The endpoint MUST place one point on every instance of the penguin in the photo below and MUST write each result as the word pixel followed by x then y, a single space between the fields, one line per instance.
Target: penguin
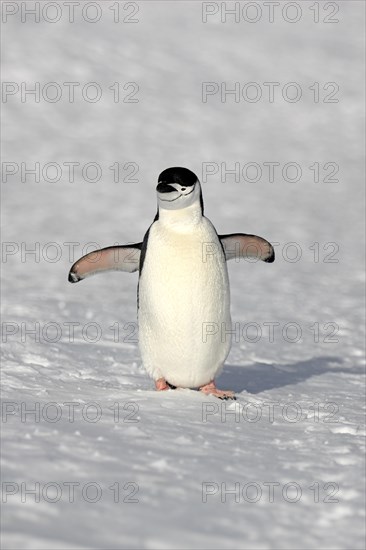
pixel 183 294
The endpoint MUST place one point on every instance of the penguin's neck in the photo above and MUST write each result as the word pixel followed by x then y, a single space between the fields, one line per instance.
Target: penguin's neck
pixel 183 219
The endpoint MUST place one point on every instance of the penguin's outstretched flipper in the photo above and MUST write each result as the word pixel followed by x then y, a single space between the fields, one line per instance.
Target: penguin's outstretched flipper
pixel 240 245
pixel 112 258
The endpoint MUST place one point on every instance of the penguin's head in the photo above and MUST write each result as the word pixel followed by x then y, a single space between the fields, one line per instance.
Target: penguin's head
pixel 178 188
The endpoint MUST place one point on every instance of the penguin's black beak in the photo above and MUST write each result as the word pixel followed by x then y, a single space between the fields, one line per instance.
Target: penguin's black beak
pixel 163 187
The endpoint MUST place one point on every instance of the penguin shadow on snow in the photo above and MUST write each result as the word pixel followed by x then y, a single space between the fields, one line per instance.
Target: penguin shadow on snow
pixel 262 376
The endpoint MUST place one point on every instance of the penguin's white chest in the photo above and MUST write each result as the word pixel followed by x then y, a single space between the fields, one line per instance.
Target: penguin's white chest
pixel 184 304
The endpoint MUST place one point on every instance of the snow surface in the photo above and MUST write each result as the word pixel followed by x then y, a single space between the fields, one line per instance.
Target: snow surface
pixel 170 444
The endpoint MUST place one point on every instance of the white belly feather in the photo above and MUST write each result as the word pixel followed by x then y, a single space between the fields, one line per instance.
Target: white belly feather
pixel 181 298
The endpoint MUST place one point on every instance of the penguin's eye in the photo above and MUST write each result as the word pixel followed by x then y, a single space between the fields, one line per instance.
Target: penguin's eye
pixel 183 188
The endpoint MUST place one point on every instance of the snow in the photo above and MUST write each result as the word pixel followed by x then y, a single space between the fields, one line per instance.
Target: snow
pixel 299 414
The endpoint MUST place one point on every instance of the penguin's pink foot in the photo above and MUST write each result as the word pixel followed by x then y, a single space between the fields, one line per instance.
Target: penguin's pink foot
pixel 161 385
pixel 210 389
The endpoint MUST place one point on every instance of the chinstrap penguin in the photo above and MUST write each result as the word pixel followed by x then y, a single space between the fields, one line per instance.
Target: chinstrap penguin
pixel 183 285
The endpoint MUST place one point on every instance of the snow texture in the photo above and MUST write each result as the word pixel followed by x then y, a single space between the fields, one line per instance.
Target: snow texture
pixel 177 452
